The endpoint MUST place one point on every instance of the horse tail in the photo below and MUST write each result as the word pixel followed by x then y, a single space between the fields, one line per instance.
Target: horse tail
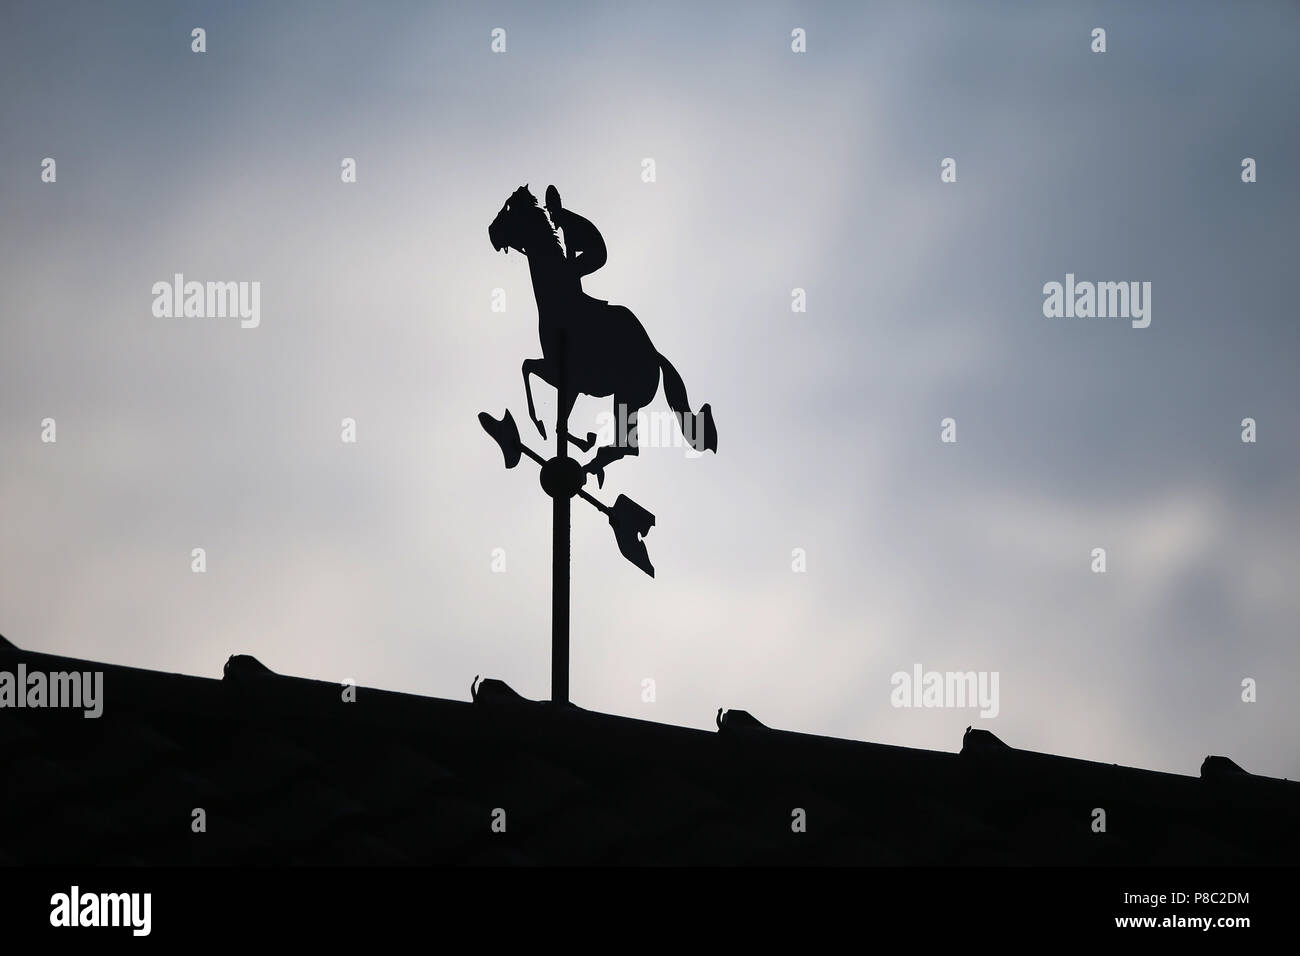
pixel 697 427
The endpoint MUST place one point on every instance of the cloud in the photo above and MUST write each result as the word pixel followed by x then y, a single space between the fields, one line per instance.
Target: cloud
pixel 373 560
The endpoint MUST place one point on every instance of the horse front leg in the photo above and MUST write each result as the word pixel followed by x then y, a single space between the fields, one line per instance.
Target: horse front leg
pixel 542 369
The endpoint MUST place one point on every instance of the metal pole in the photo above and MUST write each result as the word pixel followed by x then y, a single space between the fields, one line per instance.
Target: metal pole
pixel 560 537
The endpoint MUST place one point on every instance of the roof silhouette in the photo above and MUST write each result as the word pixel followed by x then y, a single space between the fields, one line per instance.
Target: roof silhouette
pixel 287 773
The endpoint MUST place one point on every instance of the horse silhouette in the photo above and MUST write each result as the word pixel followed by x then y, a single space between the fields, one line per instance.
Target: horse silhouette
pixel 607 349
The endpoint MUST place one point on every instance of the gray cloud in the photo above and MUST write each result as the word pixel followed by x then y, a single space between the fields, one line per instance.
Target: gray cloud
pixel 372 561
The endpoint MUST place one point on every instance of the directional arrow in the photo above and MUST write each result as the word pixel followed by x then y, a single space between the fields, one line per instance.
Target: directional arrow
pixel 562 476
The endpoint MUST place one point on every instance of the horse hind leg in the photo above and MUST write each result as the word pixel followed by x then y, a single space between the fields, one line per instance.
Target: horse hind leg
pixel 624 444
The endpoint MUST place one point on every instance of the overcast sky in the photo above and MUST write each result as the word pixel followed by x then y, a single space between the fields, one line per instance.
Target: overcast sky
pixel 775 170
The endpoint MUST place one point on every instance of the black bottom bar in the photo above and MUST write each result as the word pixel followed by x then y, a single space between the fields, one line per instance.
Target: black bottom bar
pixel 991 905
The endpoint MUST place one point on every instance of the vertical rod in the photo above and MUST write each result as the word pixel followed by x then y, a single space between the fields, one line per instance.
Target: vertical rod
pixel 560 536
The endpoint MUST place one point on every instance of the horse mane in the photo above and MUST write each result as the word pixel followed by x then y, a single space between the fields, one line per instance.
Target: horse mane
pixel 544 216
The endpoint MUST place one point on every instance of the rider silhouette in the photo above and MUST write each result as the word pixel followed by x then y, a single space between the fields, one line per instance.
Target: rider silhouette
pixel 584 246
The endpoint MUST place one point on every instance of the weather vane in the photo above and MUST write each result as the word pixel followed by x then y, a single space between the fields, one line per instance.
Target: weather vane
pixel 589 347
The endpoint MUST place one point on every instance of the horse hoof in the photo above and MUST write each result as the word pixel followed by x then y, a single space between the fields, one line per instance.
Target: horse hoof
pixel 541 429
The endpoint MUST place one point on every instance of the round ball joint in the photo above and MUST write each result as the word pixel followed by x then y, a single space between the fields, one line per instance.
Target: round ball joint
pixel 562 476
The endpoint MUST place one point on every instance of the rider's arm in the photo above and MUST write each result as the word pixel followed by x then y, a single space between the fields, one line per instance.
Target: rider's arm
pixel 592 251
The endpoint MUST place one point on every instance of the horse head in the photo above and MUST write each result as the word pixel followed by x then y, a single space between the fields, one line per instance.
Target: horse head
pixel 524 225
